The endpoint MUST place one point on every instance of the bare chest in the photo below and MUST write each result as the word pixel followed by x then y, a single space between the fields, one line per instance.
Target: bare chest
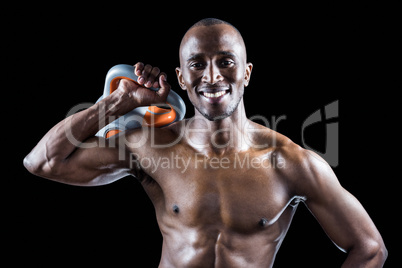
pixel 243 194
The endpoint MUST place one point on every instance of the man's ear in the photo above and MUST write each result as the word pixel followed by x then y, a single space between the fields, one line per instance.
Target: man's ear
pixel 247 75
pixel 180 78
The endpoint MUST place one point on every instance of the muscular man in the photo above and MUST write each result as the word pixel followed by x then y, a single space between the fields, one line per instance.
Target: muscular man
pixel 224 188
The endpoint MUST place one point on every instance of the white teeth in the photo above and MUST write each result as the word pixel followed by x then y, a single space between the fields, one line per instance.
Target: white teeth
pixel 214 95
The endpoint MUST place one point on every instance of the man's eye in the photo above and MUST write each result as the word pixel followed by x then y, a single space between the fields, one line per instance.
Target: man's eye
pixel 227 63
pixel 197 65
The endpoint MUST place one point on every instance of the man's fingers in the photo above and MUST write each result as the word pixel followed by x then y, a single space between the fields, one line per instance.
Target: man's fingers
pixel 139 68
pixel 152 77
pixel 147 75
pixel 156 84
pixel 165 87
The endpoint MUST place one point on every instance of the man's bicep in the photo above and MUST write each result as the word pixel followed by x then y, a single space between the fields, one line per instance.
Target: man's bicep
pixel 96 161
pixel 340 214
pixel 342 218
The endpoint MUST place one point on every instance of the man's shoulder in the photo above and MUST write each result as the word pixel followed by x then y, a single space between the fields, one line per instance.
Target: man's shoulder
pixel 281 144
pixel 296 157
pixel 303 169
pixel 273 139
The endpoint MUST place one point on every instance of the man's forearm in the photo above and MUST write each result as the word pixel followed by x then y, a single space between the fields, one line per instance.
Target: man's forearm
pixel 373 256
pixel 63 138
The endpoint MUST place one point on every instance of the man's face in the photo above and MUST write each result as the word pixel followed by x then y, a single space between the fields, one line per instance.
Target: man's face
pixel 213 69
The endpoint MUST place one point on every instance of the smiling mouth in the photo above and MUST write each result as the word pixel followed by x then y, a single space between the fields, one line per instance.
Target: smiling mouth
pixel 214 95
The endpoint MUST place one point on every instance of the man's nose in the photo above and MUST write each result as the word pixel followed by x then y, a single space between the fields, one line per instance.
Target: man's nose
pixel 212 74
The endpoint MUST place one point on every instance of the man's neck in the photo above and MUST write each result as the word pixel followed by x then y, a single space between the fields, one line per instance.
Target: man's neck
pixel 220 136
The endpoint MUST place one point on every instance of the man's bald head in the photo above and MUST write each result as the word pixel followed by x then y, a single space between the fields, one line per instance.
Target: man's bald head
pixel 210 23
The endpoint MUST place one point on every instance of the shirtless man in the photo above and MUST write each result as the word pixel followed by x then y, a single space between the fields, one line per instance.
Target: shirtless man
pixel 228 189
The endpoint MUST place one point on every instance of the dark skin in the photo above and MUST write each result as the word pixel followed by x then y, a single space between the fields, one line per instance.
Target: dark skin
pixel 225 189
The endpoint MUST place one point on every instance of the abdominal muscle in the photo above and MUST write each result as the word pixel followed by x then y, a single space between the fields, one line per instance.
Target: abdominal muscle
pixel 193 248
pixel 219 246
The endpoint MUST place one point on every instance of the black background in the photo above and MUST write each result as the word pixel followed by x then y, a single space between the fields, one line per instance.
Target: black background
pixel 304 57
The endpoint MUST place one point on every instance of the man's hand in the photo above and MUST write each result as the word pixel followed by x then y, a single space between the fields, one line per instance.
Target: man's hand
pixel 139 94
